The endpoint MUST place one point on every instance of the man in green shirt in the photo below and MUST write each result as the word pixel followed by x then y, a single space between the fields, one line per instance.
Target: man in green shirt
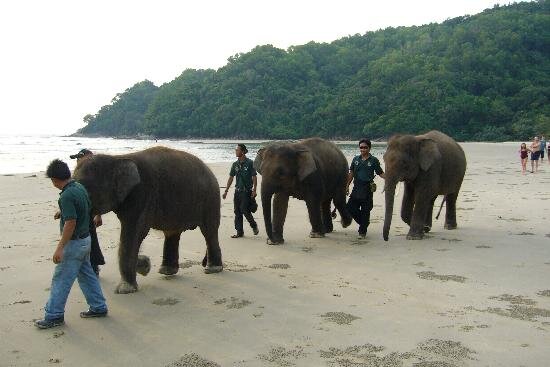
pixel 245 190
pixel 72 254
pixel 362 171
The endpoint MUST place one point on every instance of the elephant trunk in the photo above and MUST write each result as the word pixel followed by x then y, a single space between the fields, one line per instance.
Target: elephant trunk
pixel 389 190
pixel 266 205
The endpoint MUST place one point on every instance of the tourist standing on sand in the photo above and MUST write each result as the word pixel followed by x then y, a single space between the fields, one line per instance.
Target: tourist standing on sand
pixel 523 155
pixel 72 254
pixel 535 154
pixel 542 148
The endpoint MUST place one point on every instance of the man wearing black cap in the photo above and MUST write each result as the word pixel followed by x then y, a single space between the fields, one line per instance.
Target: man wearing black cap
pixel 96 256
pixel 245 190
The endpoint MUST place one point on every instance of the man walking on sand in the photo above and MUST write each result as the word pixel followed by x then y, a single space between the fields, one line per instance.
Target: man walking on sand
pixel 72 254
pixel 535 154
pixel 362 171
pixel 245 190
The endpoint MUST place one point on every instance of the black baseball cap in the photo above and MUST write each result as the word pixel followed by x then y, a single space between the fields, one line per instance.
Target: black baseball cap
pixel 81 153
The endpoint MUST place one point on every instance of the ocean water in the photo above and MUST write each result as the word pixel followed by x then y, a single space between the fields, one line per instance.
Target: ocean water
pixel 28 153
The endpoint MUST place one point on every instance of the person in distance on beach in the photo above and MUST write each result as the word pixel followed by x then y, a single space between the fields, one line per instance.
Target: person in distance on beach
pixel 362 171
pixel 245 190
pixel 542 148
pixel 523 155
pixel 535 154
pixel 72 254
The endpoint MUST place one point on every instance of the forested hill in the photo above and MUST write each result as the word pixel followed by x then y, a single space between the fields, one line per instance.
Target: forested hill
pixel 481 77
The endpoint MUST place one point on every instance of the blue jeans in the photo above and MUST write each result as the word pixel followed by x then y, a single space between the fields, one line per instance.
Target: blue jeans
pixel 75 265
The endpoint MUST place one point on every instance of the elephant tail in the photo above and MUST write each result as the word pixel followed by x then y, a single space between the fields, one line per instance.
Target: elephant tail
pixel 441 206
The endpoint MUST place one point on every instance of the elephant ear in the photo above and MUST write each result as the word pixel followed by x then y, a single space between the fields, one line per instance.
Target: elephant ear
pixel 126 177
pixel 258 160
pixel 428 154
pixel 306 164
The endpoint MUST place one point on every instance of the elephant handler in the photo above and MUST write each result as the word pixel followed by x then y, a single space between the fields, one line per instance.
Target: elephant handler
pixel 245 190
pixel 96 256
pixel 362 171
pixel 72 254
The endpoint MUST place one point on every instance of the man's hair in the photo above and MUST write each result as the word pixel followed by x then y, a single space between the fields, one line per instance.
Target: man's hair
pixel 58 169
pixel 366 141
pixel 243 148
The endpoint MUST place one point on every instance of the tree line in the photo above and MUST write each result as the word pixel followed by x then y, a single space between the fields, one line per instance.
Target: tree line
pixel 482 77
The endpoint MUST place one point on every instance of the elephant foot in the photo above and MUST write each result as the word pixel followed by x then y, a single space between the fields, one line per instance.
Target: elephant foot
pixel 168 269
pixel 415 236
pixel 313 234
pixel 275 242
pixel 143 266
pixel 211 269
pixel 124 287
pixel 427 229
pixel 450 226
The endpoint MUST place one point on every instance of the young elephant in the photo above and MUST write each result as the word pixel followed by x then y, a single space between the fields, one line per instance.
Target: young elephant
pixel 313 170
pixel 430 165
pixel 159 188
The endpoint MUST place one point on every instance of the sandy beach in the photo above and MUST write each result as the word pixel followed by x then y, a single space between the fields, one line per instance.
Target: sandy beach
pixel 475 296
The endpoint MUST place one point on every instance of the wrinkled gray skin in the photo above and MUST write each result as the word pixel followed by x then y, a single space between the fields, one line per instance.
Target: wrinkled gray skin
pixel 160 188
pixel 429 165
pixel 313 170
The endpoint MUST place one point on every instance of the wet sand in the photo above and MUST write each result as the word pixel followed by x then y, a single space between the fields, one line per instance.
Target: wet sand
pixel 475 296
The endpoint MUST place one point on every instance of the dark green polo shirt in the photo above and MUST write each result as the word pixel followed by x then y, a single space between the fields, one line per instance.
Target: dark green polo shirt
pixel 363 170
pixel 243 171
pixel 74 203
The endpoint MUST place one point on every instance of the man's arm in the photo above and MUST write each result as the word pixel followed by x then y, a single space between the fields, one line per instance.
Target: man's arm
pixel 68 230
pixel 227 186
pixel 350 178
pixel 254 184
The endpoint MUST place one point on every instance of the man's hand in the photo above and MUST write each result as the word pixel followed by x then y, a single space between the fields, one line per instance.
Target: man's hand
pixel 98 222
pixel 224 194
pixel 57 215
pixel 58 255
pixel 253 193
pixel 347 191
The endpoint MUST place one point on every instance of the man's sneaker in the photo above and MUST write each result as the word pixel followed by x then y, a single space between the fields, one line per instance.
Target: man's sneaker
pixel 96 269
pixel 46 324
pixel 361 236
pixel 90 313
pixel 255 230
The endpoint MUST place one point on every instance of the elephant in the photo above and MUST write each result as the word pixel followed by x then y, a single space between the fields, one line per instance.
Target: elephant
pixel 313 170
pixel 160 188
pixel 431 164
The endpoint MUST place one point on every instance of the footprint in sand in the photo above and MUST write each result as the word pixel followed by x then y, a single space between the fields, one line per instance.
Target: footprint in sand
pixel 168 301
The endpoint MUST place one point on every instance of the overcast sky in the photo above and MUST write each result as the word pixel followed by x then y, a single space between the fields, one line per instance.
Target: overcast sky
pixel 61 60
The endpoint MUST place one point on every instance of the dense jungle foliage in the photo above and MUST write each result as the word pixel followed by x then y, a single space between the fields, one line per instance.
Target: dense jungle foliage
pixel 481 77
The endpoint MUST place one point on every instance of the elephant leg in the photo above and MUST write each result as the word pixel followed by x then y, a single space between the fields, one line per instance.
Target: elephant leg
pixel 340 204
pixel 132 233
pixel 280 207
pixel 408 203
pixel 428 221
pixel 212 261
pixel 450 212
pixel 327 219
pixel 421 207
pixel 170 253
pixel 314 211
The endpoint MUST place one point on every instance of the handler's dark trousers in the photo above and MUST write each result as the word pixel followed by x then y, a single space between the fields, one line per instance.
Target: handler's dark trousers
pixel 360 210
pixel 96 256
pixel 241 205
